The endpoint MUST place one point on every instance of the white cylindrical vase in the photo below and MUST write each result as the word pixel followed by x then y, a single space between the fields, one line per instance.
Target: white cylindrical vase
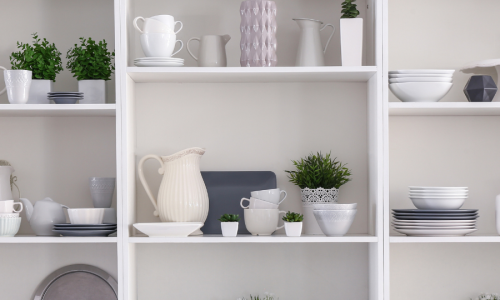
pixel 94 91
pixel 351 41
pixel 39 91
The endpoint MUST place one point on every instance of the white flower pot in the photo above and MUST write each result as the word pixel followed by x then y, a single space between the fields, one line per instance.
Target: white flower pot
pixel 38 91
pixel 94 91
pixel 293 228
pixel 229 228
pixel 315 196
pixel 351 41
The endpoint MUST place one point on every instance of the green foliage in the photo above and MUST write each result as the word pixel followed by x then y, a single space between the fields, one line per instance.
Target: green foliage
pixel 42 59
pixel 349 9
pixel 488 297
pixel 267 296
pixel 317 171
pixel 229 218
pixel 293 217
pixel 90 60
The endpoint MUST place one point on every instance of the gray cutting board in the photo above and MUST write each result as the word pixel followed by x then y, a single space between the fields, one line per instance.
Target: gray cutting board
pixel 225 190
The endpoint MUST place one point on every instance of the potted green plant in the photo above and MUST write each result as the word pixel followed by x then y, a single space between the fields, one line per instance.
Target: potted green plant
pixel 293 223
pixel 319 178
pixel 44 61
pixel 488 297
pixel 351 34
pixel 91 64
pixel 229 224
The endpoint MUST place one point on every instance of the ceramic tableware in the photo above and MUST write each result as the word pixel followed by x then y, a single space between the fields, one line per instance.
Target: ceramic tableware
pixel 434 227
pixel 420 91
pixel 420 79
pixel 255 203
pixel 43 215
pixel 65 100
pixel 436 218
pixel 6 182
pixel 435 232
pixel 68 232
pixel 7 206
pixel 420 75
pixel 102 190
pixel 272 195
pixel 422 71
pixel 151 25
pixel 334 206
pixel 159 64
pixel 438 203
pixel 435 221
pixel 428 211
pixel 169 229
pixel 212 50
pixel 262 221
pixel 310 51
pixel 86 215
pixel 9 226
pixel 109 216
pixel 9 215
pixel 169 21
pixel 17 85
pixel 159 44
pixel 437 188
pixel 335 222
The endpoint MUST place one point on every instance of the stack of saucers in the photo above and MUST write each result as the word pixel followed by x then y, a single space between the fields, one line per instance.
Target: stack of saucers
pixel 335 219
pixel 159 62
pixel 420 85
pixel 65 97
pixel 84 229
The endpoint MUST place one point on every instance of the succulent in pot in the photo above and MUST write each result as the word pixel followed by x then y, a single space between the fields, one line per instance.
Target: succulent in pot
pixel 229 224
pixel 293 223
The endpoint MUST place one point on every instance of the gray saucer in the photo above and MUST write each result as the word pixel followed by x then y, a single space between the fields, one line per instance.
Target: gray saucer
pixel 85 225
pixel 84 232
pixel 435 210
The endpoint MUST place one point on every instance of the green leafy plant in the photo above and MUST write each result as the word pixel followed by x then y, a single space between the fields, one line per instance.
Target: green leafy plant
pixel 349 9
pixel 90 60
pixel 318 171
pixel 267 296
pixel 229 218
pixel 42 59
pixel 293 217
pixel 488 297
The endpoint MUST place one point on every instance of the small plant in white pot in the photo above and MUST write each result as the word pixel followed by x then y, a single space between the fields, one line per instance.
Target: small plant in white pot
pixel 229 224
pixel 351 35
pixel 44 61
pixel 91 64
pixel 293 223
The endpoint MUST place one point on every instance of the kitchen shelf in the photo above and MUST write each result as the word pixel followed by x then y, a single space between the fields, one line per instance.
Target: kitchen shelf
pixel 251 75
pixel 57 110
pixel 449 239
pixel 31 239
pixel 351 238
pixel 444 109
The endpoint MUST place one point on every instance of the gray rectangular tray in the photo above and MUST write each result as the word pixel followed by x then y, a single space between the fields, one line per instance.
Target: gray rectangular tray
pixel 225 190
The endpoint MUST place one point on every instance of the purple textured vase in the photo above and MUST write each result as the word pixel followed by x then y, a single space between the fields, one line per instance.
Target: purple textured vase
pixel 258 34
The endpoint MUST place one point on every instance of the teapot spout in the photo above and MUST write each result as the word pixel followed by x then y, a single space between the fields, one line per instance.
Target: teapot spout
pixel 226 38
pixel 28 207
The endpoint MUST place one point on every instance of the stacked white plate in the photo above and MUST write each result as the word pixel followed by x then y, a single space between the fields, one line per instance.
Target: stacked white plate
pixel 159 62
pixel 420 85
pixel 65 97
pixel 433 197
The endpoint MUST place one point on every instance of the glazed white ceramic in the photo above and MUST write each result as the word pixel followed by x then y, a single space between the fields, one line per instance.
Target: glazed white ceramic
pixel 435 227
pixel 293 228
pixel 168 229
pixel 255 203
pixel 212 50
pixel 334 206
pixel 433 195
pixel 17 85
pixel 169 21
pixel 310 51
pixel 229 228
pixel 422 71
pixel 38 91
pixel 272 195
pixel 437 188
pixel 94 91
pixel 435 221
pixel 154 26
pixel 435 232
pixel 86 215
pixel 9 215
pixel 420 79
pixel 262 221
pixel 420 75
pixel 335 222
pixel 351 41
pixel 182 196
pixel 43 215
pixel 159 44
pixel 498 213
pixel 109 216
pixel 426 203
pixel 420 91
pixel 102 190
pixel 159 64
pixel 9 226
pixel 7 206
pixel 5 188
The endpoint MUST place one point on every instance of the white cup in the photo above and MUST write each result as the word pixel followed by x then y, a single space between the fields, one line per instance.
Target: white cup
pixel 272 195
pixel 7 215
pixel 262 221
pixel 7 206
pixel 169 21
pixel 258 204
pixel 159 44
pixel 17 85
pixel 154 26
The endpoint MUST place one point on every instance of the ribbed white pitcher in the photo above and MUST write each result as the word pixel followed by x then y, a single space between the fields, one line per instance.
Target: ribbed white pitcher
pixel 182 196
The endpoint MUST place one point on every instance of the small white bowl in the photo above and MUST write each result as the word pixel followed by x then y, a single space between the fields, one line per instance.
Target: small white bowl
pixel 423 71
pixel 86 215
pixel 420 91
pixel 335 222
pixel 9 226
pixel 439 188
pixel 430 203
pixel 436 195
pixel 334 206
pixel 420 75
pixel 420 79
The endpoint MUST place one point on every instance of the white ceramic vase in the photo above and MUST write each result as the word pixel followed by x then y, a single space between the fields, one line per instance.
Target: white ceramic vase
pixel 17 85
pixel 351 41
pixel 498 213
pixel 38 91
pixel 182 196
pixel 315 196
pixel 94 91
pixel 229 228
pixel 293 228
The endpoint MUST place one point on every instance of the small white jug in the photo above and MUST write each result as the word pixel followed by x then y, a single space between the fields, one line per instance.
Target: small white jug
pixel 17 85
pixel 310 52
pixel 212 52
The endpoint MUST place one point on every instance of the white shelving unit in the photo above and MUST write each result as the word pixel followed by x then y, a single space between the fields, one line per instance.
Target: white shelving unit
pixel 68 110
pixel 444 109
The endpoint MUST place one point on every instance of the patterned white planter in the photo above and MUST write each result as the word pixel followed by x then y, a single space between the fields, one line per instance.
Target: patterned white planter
pixel 315 196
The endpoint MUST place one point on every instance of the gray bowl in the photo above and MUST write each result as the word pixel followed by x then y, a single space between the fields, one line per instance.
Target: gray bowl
pixel 61 100
pixel 335 222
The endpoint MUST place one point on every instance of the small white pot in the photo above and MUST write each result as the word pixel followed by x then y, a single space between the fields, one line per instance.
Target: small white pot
pixel 293 228
pixel 351 41
pixel 94 91
pixel 38 91
pixel 229 228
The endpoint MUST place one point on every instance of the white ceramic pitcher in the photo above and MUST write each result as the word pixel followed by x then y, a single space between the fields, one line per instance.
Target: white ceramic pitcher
pixel 212 52
pixel 182 196
pixel 310 52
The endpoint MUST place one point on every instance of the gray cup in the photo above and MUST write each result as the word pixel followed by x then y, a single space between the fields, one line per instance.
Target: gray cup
pixel 101 190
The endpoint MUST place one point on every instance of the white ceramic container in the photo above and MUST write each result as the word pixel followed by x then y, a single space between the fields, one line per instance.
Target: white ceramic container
pixel 255 203
pixel 102 190
pixel 311 52
pixel 38 91
pixel 422 71
pixel 7 206
pixel 212 50
pixel 43 215
pixel 335 222
pixel 272 195
pixel 498 213
pixel 351 41
pixel 169 229
pixel 293 228
pixel 420 91
pixel 262 221
pixel 420 79
pixel 432 195
pixel 229 228
pixel 94 91
pixel 182 196
pixel 169 21
pixel 9 226
pixel 437 188
pixel 433 203
pixel 311 197
pixel 86 215
pixel 420 75
pixel 7 215
pixel 154 26
pixel 159 44
pixel 17 85
pixel 334 206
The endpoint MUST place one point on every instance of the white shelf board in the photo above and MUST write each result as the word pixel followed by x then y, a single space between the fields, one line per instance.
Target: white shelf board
pixel 31 239
pixel 238 74
pixel 57 110
pixel 246 238
pixel 444 108
pixel 448 239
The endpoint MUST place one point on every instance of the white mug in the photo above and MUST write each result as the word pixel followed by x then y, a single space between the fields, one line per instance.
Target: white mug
pixel 258 204
pixel 152 25
pixel 7 206
pixel 17 85
pixel 262 221
pixel 272 195
pixel 159 44
pixel 169 20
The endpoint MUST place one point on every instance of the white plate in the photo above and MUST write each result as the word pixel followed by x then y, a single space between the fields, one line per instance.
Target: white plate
pixel 168 229
pixel 159 64
pixel 436 188
pixel 420 79
pixel 433 225
pixel 432 195
pixel 420 91
pixel 420 75
pixel 157 58
pixel 159 61
pixel 442 232
pixel 433 228
pixel 422 71
pixel 436 221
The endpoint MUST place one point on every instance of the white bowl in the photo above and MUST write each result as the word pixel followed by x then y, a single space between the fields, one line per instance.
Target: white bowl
pixel 433 195
pixel 86 215
pixel 420 79
pixel 420 75
pixel 9 226
pixel 422 71
pixel 438 188
pixel 9 215
pixel 335 222
pixel 168 229
pixel 430 203
pixel 420 91
pixel 334 206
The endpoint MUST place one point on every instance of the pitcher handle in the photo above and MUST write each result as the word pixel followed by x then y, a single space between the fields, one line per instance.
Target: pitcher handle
pixel 3 91
pixel 331 35
pixel 189 50
pixel 135 24
pixel 175 24
pixel 284 212
pixel 143 179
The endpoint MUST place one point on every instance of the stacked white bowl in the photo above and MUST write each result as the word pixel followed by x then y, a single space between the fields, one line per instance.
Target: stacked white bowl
pixel 335 219
pixel 420 85
pixel 438 197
